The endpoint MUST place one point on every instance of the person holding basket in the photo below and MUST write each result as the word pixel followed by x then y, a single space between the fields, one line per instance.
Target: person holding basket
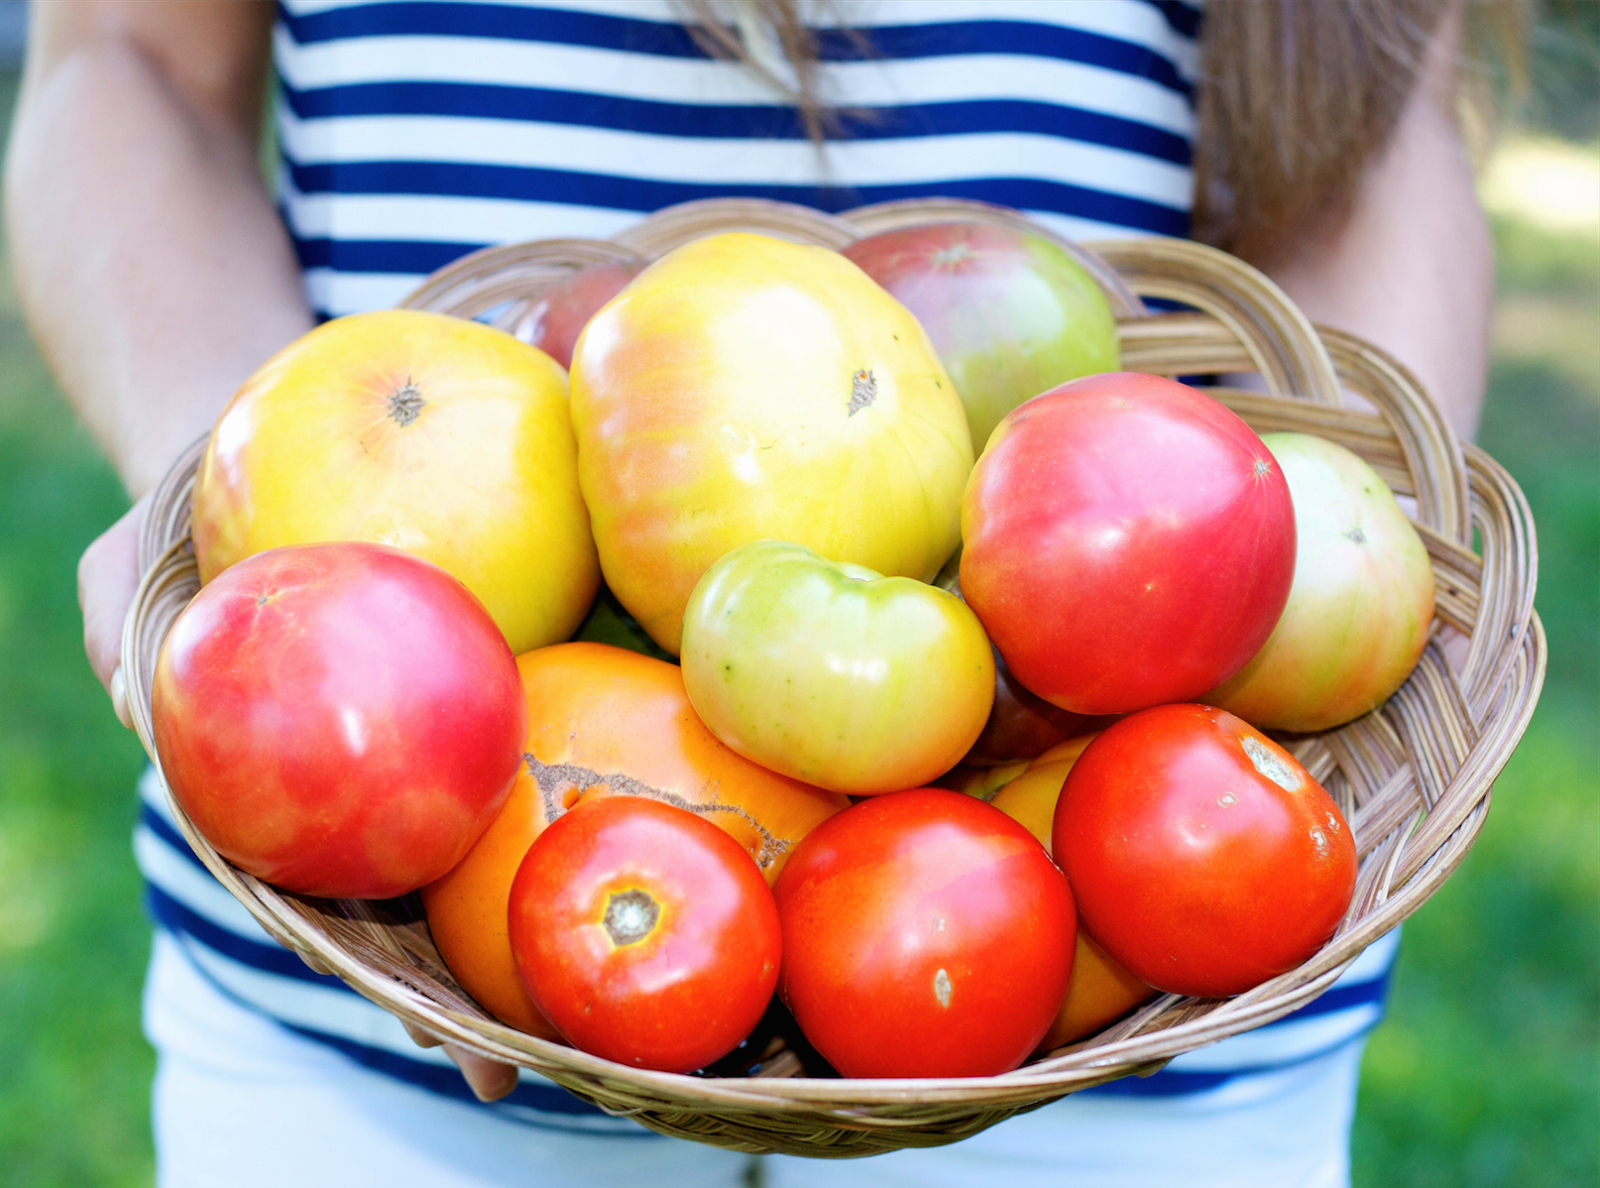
pixel 158 271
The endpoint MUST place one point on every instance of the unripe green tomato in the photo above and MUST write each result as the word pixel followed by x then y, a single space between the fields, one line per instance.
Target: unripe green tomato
pixel 832 673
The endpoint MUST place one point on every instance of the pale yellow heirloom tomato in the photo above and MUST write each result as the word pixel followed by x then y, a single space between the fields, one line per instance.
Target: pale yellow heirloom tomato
pixel 744 388
pixel 445 438
pixel 833 674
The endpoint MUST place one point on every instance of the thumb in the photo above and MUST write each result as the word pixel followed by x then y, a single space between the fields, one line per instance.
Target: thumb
pixel 108 576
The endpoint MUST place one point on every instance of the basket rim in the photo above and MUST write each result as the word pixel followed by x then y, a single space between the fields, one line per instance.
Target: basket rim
pixel 166 558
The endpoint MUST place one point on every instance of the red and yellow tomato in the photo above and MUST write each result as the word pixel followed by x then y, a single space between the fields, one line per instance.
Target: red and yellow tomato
pixel 1361 605
pixel 436 435
pixel 1010 313
pixel 745 388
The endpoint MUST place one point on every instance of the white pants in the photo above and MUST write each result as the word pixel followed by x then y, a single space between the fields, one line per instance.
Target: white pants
pixel 240 1102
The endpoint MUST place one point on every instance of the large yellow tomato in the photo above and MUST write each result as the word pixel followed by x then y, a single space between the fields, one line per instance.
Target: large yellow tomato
pixel 744 388
pixel 439 436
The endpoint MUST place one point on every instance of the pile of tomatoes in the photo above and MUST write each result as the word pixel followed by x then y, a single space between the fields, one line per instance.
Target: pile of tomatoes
pixel 936 749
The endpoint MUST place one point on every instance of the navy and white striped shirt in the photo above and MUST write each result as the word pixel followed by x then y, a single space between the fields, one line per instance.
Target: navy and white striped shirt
pixel 415 131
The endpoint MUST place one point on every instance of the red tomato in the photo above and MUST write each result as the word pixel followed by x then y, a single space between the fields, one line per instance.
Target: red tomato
pixel 555 320
pixel 1127 542
pixel 1023 726
pixel 645 934
pixel 1204 858
pixel 341 720
pixel 925 934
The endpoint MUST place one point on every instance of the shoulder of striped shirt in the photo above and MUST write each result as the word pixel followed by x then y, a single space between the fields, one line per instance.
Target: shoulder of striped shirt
pixel 231 951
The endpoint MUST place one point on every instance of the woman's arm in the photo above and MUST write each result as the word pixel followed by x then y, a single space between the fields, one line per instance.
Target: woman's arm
pixel 153 268
pixel 154 271
pixel 1412 269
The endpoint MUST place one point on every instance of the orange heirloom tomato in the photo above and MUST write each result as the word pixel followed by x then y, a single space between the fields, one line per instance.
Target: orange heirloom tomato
pixel 745 388
pixel 442 437
pixel 603 722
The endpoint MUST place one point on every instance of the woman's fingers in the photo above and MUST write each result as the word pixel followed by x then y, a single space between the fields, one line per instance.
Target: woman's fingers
pixel 488 1079
pixel 108 576
pixel 421 1036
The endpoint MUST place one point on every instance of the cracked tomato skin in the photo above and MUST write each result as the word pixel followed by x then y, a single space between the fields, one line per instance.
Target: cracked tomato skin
pixel 925 934
pixel 645 933
pixel 341 720
pixel 603 722
pixel 1203 857
pixel 1128 542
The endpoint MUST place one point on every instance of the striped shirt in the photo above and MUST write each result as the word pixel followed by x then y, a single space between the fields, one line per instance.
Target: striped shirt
pixel 415 131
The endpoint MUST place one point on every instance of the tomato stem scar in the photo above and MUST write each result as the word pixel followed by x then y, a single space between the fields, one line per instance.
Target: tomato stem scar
pixel 405 403
pixel 630 917
pixel 863 389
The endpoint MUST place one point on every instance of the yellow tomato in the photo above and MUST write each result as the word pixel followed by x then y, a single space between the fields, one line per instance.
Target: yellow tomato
pixel 1030 798
pixel 1100 990
pixel 439 436
pixel 745 388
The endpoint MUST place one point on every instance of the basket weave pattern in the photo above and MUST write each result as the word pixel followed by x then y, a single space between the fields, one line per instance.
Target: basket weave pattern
pixel 1413 778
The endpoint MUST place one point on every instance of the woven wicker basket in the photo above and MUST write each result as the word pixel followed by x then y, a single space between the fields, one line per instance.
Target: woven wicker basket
pixel 1413 778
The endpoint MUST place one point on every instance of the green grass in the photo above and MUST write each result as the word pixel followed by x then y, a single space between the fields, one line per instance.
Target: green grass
pixel 1487 1069
pixel 1484 1074
pixel 73 942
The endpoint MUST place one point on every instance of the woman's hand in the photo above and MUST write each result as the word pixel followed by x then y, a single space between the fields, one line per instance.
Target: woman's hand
pixel 108 576
pixel 488 1079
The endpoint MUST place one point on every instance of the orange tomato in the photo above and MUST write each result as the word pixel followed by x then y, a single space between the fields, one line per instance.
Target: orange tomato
pixel 1100 992
pixel 1100 989
pixel 743 388
pixel 442 437
pixel 603 722
pixel 1030 798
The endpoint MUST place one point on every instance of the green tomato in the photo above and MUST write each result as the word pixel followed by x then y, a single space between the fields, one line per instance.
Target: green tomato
pixel 833 674
pixel 1010 314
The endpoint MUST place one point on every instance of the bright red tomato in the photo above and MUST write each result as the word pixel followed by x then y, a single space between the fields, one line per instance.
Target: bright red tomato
pixel 341 720
pixel 1203 857
pixel 645 933
pixel 925 934
pixel 1128 542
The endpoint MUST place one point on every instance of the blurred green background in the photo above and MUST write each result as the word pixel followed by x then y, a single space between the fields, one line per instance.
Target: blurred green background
pixel 1487 1069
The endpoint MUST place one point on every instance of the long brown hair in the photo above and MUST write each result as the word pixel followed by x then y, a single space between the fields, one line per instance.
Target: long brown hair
pixel 1294 96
